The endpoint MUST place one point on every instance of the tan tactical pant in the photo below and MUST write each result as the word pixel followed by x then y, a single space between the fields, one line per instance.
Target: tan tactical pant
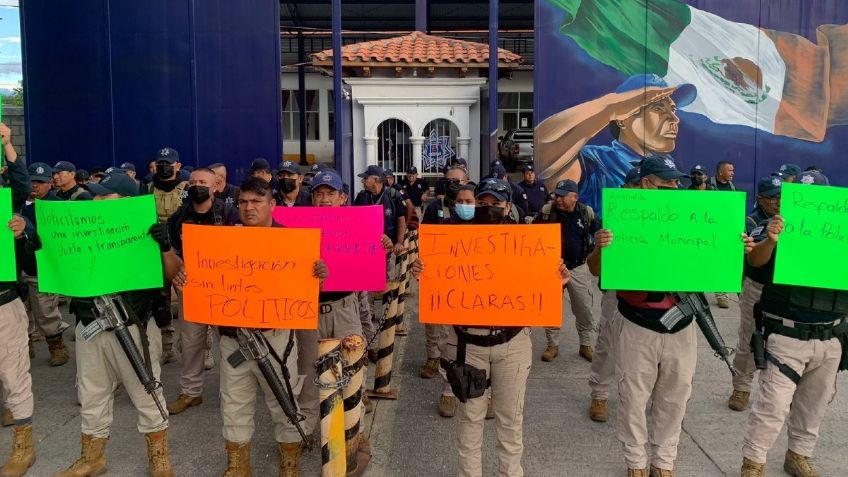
pixel 743 360
pixel 602 370
pixel 365 314
pixel 14 360
pixel 778 397
pixel 507 366
pixel 102 365
pixel 239 387
pixel 340 322
pixel 579 297
pixel 44 309
pixel 193 342
pixel 657 368
pixel 434 339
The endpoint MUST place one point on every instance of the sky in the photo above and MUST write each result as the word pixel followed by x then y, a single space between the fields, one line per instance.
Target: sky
pixel 10 45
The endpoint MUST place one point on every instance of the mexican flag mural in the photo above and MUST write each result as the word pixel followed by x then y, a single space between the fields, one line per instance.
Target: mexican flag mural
pixel 766 82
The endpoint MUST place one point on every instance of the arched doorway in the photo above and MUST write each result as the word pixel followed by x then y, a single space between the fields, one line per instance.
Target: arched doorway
pixel 394 150
pixel 440 145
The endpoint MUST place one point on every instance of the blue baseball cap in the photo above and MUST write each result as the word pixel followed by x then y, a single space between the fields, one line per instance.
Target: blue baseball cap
pixel 790 170
pixel 812 178
pixel 327 178
pixel 661 166
pixel 168 154
pixel 769 186
pixel 495 187
pixel 682 96
pixel 64 166
pixel 373 170
pixel 698 169
pixel 116 183
pixel 40 172
pixel 632 176
pixel 289 166
pixel 563 187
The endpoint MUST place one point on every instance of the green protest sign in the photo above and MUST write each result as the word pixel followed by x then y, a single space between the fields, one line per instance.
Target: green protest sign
pixel 8 269
pixel 673 240
pixel 812 250
pixel 95 247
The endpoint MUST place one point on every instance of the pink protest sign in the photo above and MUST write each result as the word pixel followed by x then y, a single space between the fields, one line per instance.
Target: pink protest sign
pixel 350 243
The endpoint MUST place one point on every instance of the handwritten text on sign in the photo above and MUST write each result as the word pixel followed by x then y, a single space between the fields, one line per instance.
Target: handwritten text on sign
pixel 8 270
pixel 490 275
pixel 95 247
pixel 815 233
pixel 251 277
pixel 673 240
pixel 350 243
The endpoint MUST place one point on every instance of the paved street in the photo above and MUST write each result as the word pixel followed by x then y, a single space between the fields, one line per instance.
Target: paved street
pixel 410 439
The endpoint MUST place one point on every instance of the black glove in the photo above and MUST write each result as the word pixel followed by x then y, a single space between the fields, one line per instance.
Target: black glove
pixel 32 244
pixel 159 233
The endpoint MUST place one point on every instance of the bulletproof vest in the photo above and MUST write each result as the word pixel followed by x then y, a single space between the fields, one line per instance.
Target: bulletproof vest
pixel 805 304
pixel 168 202
pixel 587 215
pixel 80 191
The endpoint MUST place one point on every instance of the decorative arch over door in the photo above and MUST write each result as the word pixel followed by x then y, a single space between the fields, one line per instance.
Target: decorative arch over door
pixel 394 149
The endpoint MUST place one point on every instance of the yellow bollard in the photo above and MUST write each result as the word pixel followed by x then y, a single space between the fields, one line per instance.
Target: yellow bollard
pixel 328 368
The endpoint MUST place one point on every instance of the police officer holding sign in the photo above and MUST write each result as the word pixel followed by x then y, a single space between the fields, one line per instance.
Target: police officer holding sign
pixel 804 330
pixel 503 354
pixel 653 363
pixel 578 224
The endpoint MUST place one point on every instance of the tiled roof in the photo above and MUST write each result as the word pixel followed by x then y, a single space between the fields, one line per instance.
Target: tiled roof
pixel 417 48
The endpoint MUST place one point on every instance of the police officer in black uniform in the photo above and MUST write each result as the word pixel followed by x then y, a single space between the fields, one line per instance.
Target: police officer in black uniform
pixel 537 194
pixel 291 192
pixel 65 182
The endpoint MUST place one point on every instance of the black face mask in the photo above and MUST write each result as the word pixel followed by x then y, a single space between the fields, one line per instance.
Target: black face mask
pixel 667 188
pixel 288 185
pixel 452 190
pixel 697 180
pixel 488 214
pixel 164 171
pixel 198 194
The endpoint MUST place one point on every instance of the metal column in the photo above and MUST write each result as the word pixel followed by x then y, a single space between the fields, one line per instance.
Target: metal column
pixel 301 94
pixel 493 83
pixel 421 16
pixel 338 107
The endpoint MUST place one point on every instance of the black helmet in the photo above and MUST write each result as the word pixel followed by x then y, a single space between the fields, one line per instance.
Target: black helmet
pixel 495 187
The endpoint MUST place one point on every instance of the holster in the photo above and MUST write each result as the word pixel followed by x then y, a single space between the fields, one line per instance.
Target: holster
pixel 466 381
pixel 758 342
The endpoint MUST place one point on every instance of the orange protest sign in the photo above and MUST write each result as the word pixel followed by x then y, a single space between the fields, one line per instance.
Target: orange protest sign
pixel 251 277
pixel 490 275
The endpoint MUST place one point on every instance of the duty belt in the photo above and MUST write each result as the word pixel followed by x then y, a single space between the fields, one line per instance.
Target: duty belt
pixel 573 265
pixel 8 296
pixel 802 331
pixel 325 307
pixel 496 336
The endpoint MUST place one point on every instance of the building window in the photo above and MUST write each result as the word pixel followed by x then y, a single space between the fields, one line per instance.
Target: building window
pixel 394 150
pixel 440 146
pixel 515 110
pixel 291 115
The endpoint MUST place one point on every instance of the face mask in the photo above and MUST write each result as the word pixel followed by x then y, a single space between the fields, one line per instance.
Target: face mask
pixel 198 194
pixel 288 185
pixel 667 188
pixel 465 211
pixel 697 180
pixel 452 190
pixel 488 214
pixel 164 171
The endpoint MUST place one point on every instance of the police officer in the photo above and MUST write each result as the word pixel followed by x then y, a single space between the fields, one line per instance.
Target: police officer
pixel 602 371
pixel 536 192
pixel 768 205
pixel 578 225
pixel 14 360
pixel 44 307
pixel 239 385
pixel 504 353
pixel 291 192
pixel 410 208
pixel 391 182
pixel 65 182
pixel 699 179
pixel 651 361
pixel 102 365
pixel 519 209
pixel 723 180
pixel 202 208
pixel 261 168
pixel 789 171
pixel 803 328
pixel 223 189
pixel 417 191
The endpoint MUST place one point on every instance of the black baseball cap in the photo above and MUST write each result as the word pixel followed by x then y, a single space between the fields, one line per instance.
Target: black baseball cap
pixel 388 172
pixel 565 186
pixel 498 170
pixel 40 172
pixel 82 175
pixel 698 169
pixel 769 186
pixel 373 171
pixel 790 170
pixel 289 166
pixel 495 187
pixel 128 166
pixel 813 178
pixel 661 166
pixel 527 168
pixel 632 176
pixel 116 183
pixel 168 154
pixel 260 164
pixel 412 170
pixel 64 166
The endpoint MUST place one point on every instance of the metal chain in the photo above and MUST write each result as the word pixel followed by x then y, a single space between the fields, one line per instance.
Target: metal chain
pixel 341 380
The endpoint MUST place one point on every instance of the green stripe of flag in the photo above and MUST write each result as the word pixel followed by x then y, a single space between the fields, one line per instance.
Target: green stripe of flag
pixel 632 36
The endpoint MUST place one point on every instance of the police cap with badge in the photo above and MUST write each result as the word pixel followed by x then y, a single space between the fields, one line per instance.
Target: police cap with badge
pixel 40 172
pixel 115 183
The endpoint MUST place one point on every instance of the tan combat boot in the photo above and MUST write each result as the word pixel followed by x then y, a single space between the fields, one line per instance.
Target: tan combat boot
pixel 798 465
pixel 430 368
pixel 92 461
pixel 657 472
pixel 369 406
pixel 598 410
pixel 752 469
pixel 8 418
pixel 738 400
pixel 158 462
pixel 183 402
pixel 58 351
pixel 722 302
pixel 238 459
pixel 586 352
pixel 550 353
pixel 637 472
pixel 447 406
pixel 289 459
pixel 23 453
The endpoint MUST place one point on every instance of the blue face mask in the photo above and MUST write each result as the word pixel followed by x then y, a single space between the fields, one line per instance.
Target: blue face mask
pixel 465 211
